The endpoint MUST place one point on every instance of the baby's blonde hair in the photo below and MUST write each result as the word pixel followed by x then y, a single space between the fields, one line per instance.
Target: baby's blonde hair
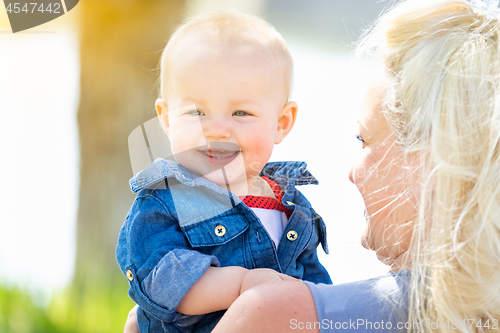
pixel 222 28
pixel 442 59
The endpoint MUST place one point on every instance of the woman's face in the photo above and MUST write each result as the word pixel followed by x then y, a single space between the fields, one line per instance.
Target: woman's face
pixel 385 182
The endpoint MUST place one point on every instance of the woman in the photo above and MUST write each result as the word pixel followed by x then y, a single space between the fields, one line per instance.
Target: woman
pixel 429 174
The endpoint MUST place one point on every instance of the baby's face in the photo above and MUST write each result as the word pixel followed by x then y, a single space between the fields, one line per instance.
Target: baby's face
pixel 222 113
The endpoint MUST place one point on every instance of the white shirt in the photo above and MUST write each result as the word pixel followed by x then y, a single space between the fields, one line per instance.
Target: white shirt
pixel 273 220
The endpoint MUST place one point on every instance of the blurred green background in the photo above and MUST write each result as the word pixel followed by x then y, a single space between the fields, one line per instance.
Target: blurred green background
pixel 72 90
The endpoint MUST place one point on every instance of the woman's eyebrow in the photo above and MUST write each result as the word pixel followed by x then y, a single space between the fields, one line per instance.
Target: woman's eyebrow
pixel 362 125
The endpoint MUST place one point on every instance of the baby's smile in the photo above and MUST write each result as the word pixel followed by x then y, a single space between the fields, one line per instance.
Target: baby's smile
pixel 220 152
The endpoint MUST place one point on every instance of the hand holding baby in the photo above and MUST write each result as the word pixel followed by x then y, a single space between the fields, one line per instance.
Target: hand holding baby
pixel 255 277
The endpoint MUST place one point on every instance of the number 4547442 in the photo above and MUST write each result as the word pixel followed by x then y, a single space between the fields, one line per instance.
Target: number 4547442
pixel 469 323
pixel 35 7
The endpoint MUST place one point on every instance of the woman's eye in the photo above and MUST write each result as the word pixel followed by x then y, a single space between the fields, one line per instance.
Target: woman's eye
pixel 240 113
pixel 195 113
pixel 360 139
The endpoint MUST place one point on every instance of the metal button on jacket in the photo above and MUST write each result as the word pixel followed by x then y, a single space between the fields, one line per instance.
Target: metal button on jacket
pixel 220 230
pixel 292 235
pixel 130 275
pixel 290 203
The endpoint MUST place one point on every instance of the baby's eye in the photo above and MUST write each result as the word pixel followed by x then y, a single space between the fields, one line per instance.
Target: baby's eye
pixel 195 113
pixel 240 113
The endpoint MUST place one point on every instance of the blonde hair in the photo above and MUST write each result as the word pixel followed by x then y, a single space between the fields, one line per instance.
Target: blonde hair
pixel 442 59
pixel 222 28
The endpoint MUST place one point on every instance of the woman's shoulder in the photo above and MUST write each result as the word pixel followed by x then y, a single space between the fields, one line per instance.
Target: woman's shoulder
pixel 364 305
pixel 385 285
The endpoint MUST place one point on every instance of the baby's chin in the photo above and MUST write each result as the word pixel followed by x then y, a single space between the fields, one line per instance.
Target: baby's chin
pixel 226 179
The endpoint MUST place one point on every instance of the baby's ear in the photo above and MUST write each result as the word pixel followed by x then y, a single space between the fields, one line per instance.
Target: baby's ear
pixel 162 111
pixel 286 120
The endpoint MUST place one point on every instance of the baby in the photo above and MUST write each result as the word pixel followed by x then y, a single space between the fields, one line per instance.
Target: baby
pixel 219 219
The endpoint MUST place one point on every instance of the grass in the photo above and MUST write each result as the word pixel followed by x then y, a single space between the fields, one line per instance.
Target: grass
pixel 100 309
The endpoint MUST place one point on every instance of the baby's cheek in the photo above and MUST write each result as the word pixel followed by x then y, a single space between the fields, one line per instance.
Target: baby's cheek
pixel 257 148
pixel 185 139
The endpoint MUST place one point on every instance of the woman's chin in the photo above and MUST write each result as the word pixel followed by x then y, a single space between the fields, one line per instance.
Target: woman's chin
pixel 366 240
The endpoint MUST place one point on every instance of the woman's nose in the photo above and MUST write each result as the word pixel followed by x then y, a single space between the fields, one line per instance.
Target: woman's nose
pixel 350 174
pixel 217 129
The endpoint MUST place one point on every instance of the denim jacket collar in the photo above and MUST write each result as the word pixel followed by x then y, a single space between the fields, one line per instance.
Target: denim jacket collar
pixel 285 173
pixel 289 171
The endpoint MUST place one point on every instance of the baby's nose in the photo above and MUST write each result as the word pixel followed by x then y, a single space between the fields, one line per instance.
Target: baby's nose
pixel 217 129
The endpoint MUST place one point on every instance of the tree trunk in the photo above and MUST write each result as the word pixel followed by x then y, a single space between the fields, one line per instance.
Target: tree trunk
pixel 120 45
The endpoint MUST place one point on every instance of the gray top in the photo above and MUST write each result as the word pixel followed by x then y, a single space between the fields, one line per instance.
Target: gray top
pixel 375 305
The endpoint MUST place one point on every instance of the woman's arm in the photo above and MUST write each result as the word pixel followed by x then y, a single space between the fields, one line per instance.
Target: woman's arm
pixel 217 289
pixel 285 306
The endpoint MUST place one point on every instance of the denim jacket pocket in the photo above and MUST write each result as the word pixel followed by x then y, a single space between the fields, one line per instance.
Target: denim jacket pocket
pixel 215 231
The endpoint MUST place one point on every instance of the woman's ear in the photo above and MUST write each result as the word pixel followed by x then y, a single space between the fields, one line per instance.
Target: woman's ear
pixel 286 120
pixel 162 111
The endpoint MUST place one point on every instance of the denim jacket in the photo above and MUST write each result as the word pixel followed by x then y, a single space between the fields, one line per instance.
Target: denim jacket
pixel 181 224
